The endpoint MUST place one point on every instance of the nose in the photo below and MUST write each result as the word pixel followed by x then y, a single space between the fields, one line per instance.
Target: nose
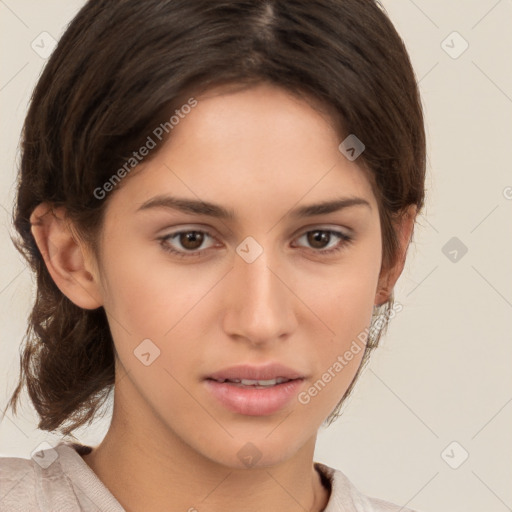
pixel 260 300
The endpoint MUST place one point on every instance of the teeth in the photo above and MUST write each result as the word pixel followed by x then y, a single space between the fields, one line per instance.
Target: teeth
pixel 248 382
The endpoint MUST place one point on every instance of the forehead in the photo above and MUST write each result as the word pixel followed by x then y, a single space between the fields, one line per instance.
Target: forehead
pixel 262 114
pixel 250 147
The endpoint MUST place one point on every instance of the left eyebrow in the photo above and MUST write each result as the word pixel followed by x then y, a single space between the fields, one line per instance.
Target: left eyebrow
pixel 329 207
pixel 196 207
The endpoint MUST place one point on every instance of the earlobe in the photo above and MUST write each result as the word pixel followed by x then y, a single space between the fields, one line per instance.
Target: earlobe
pixel 404 226
pixel 64 256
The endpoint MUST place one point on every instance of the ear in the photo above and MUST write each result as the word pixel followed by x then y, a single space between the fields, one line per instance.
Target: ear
pixel 66 258
pixel 403 225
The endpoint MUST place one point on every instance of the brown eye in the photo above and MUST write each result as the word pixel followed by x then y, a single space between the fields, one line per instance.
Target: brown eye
pixel 325 241
pixel 191 240
pixel 188 243
pixel 318 239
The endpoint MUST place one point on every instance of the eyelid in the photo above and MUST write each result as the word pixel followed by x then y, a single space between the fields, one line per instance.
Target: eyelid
pixel 325 227
pixel 214 234
pixel 209 233
pixel 344 239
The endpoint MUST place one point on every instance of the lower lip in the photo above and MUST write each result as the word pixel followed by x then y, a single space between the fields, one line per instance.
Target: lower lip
pixel 252 401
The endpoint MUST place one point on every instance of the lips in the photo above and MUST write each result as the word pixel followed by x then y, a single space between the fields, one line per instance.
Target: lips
pixel 269 374
pixel 255 390
pixel 254 400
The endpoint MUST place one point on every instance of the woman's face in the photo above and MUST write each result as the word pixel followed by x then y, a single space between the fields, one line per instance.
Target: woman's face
pixel 268 284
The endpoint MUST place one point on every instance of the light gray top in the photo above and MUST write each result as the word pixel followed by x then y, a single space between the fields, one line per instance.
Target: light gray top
pixel 59 480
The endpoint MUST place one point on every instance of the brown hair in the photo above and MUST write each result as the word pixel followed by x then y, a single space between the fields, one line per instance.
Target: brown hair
pixel 117 72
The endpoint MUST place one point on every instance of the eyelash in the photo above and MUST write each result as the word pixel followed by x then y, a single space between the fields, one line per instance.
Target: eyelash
pixel 344 240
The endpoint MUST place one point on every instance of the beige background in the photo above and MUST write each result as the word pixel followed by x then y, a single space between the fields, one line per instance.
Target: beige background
pixel 442 373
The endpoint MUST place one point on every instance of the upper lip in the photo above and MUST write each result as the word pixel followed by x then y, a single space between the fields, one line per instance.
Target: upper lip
pixel 264 372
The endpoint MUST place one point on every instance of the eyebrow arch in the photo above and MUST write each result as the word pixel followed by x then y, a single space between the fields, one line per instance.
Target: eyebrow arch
pixel 197 207
pixel 329 206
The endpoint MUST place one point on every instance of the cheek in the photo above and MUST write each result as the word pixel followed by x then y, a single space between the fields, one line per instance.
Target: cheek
pixel 149 294
pixel 343 295
pixel 343 300
pixel 156 301
pixel 338 356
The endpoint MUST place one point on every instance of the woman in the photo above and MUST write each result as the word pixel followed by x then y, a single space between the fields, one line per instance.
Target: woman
pixel 217 199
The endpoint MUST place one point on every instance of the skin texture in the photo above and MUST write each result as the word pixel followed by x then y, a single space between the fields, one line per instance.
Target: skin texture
pixel 260 152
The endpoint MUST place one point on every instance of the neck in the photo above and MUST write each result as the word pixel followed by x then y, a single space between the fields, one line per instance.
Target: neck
pixel 160 472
